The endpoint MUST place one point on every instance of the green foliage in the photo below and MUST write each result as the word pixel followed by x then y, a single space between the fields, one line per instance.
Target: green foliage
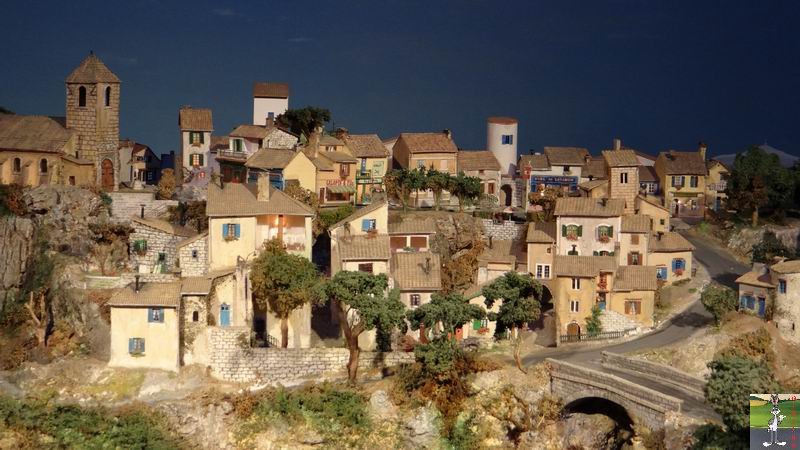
pixel 45 425
pixel 719 300
pixel 769 247
pixel 327 407
pixel 462 437
pixel 733 378
pixel 757 179
pixel 713 437
pixel 106 199
pixel 465 188
pixel 439 356
pixel 4 110
pixel 304 121
pixel 11 200
pixel 167 184
pixel 398 186
pixel 191 213
pixel 437 182
pixel 328 217
pixel 593 324
pixel 444 313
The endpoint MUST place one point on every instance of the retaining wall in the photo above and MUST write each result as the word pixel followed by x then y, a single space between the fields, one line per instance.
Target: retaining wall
pixel 127 204
pixel 506 230
pixel 231 360
pixel 690 384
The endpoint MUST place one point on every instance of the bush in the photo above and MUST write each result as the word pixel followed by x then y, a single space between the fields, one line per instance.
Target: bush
pixel 462 436
pixel 713 437
pixel 11 200
pixel 718 300
pixel 769 247
pixel 755 345
pixel 326 406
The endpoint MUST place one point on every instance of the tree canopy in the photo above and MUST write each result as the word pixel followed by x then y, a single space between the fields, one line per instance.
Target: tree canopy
pixel 758 180
pixel 304 121
pixel 718 300
pixel 465 188
pixel 769 247
pixel 437 182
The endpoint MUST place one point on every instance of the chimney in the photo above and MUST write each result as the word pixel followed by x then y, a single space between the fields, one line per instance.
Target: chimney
pixel 262 187
pixel 617 143
pixel 701 148
pixel 427 267
pixel 136 284
pixel 672 154
pixel 141 213
pixel 270 122
pixel 313 141
pixel 342 133
pixel 587 159
pixel 448 133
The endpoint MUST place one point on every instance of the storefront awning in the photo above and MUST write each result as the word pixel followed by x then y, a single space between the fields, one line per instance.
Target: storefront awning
pixel 342 189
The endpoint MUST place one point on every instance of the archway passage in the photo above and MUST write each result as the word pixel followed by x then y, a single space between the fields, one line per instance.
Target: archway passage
pixel 506 195
pixel 107 178
pixel 623 429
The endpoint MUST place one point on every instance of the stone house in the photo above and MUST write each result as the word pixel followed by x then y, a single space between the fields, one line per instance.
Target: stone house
pixel 196 126
pixel 410 234
pixel 195 320
pixel 716 183
pixel 429 150
pixel 154 245
pixel 373 163
pixel 671 253
pixel 623 176
pixel 786 277
pixel 682 176
pixel 484 165
pixel 245 141
pixel 755 289
pixel 145 326
pixel 193 255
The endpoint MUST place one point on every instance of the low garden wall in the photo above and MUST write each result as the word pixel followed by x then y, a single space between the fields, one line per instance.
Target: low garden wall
pixel 506 230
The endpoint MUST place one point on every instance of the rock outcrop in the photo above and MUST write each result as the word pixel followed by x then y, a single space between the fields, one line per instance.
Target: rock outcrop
pixel 16 245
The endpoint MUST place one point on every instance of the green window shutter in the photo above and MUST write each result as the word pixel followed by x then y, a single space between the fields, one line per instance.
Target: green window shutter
pixel 131 345
pixel 476 324
pixel 563 230
pixel 610 231
pixel 610 253
pixel 595 253
pixel 580 230
pixel 141 341
pixel 200 160
pixel 202 137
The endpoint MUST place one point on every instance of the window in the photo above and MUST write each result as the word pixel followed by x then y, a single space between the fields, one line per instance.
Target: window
pixel 397 242
pixel 574 306
pixel 678 266
pixel 17 165
pixel 677 181
pixel 576 284
pixel 194 254
pixel 136 346
pixel 490 188
pixel 507 139
pixel 415 300
pixel 605 233
pixel 572 231
pixel 566 169
pixel 82 97
pixel 43 166
pixel 195 316
pixel 196 137
pixel 634 259
pixel 693 181
pixel 635 239
pixel 271 115
pixel 140 246
pixel 543 271
pixel 238 145
pixel 782 286
pixel 662 221
pixel 367 224
pixel 443 165
pixel 633 307
pixel 661 273
pixel 108 96
pixel 72 180
pixel 365 267
pixel 155 315
pixel 420 164
pixel 419 242
pixel 363 166
pixel 231 231
pixel 623 178
pixel 344 170
pixel 196 160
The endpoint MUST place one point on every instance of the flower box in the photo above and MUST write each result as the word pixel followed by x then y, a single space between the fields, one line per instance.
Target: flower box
pixel 230 238
pixel 483 330
pixel 678 272
pixel 572 236
pixel 604 239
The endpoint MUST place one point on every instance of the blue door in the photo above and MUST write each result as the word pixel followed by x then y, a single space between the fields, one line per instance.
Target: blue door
pixel 224 315
pixel 762 306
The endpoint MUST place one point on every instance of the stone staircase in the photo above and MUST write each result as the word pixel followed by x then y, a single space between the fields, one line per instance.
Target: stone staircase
pixel 614 321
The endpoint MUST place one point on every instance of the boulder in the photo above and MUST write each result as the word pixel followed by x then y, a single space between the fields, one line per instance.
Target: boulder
pixel 422 427
pixel 590 431
pixel 486 381
pixel 381 407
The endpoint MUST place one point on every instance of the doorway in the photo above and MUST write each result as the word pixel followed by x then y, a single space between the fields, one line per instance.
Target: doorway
pixel 506 195
pixel 107 179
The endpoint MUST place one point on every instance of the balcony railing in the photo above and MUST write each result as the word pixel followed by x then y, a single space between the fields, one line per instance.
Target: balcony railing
pixel 228 153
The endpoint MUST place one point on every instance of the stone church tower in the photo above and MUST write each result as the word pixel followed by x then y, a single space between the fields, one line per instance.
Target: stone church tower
pixel 622 167
pixel 93 113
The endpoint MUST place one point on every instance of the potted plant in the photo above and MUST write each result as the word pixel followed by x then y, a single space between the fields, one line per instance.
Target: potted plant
pixel 140 247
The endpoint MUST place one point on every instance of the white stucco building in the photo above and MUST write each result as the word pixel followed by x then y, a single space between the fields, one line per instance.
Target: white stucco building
pixel 269 101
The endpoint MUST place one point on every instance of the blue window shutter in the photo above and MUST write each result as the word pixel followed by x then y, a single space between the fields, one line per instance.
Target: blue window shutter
pixel 365 224
pixel 224 229
pixel 238 229
pixel 674 264
pixel 130 345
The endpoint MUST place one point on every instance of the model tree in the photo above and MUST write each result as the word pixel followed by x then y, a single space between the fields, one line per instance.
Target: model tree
pixel 398 185
pixel 363 303
pixel 304 121
pixel 167 183
pixel 437 182
pixel 546 198
pixel 757 180
pixel 718 300
pixel 443 314
pixel 465 188
pixel 284 283
pixel 417 180
pixel 520 296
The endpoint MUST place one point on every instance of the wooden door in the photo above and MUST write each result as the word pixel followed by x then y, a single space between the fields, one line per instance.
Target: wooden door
pixel 107 179
pixel 573 329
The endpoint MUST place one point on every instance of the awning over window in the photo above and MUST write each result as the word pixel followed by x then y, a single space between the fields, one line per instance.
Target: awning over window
pixel 342 189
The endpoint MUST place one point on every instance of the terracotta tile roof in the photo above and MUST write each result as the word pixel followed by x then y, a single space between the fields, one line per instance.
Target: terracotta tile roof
pixel 787 266
pixel 338 157
pixel 683 163
pixel 270 158
pixel 219 142
pixel 650 200
pixel 477 160
pixel 428 143
pixel 636 224
pixel 319 162
pixel 541 232
pixel 163 225
pixel 360 212
pixel 239 200
pixel 366 146
pixel 188 241
pixel 594 184
pixel 91 70
pixel 670 242
pixel 413 226
pixel 195 119
pixel 364 248
pixel 408 271
pixel 566 156
pixel 327 139
pixel 196 285
pixel 636 278
pixel 270 90
pixel 32 133
pixel 150 294
pixel 645 155
pixel 502 120
pixel 589 207
pixel 249 132
pixel 583 266
pixel 536 162
pixel 648 174
pixel 594 168
pixel 499 252
pixel 754 278
pixel 620 158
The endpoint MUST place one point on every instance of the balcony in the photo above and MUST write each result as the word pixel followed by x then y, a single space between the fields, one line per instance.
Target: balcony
pixel 231 154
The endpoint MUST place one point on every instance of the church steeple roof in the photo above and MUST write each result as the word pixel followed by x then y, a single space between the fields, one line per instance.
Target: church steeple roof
pixel 91 70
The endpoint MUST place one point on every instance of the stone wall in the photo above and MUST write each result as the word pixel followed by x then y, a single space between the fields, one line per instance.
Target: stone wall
pixel 124 205
pixel 194 266
pixel 692 385
pixel 231 361
pixel 507 230
pixel 614 321
pixel 158 242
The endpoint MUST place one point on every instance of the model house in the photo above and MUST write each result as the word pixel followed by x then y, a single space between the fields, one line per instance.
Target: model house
pixel 270 100
pixel 779 283
pixel 484 165
pixel 671 253
pixel 335 169
pixel 245 141
pixel 682 176
pixel 154 245
pixel 409 234
pixel 373 163
pixel 360 242
pixel 426 150
pixel 195 125
pixel 623 177
pixel 282 167
pixel 138 163
pixel 716 183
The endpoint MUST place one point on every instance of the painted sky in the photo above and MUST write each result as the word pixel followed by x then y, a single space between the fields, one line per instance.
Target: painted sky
pixel 657 74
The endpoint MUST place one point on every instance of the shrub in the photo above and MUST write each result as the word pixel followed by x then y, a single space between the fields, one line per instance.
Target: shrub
pixel 718 300
pixel 11 200
pixel 462 436
pixel 755 345
pixel 713 437
pixel 769 247
pixel 593 324
pixel 327 406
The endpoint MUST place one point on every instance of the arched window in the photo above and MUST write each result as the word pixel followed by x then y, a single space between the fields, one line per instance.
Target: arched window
pixel 108 96
pixel 43 166
pixel 17 165
pixel 82 96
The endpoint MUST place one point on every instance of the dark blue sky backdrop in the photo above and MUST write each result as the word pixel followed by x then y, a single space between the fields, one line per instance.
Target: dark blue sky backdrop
pixel 657 74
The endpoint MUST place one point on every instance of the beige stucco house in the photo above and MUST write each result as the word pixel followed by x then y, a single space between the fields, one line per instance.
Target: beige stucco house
pixel 671 253
pixel 484 165
pixel 682 176
pixel 360 241
pixel 716 183
pixel 541 242
pixel 587 226
pixel 416 275
pixel 373 163
pixel 410 233
pixel 429 150
pixel 283 167
pixel 651 206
